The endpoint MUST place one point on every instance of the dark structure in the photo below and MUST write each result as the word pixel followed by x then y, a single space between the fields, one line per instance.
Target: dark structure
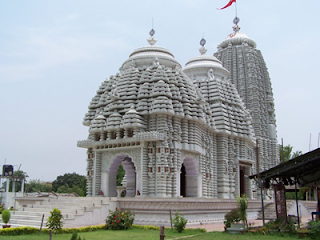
pixel 303 170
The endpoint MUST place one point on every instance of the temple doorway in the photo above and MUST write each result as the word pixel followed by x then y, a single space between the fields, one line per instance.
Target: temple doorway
pixel 183 181
pixel 130 174
pixel 242 181
pixel 189 178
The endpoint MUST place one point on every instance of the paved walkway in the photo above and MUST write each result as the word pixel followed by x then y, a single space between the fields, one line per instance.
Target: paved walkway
pixel 219 227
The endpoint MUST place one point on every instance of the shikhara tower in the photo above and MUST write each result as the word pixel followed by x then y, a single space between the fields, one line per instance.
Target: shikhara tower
pixel 248 72
pixel 178 132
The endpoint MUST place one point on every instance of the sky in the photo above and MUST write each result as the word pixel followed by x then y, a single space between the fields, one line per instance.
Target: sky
pixel 55 54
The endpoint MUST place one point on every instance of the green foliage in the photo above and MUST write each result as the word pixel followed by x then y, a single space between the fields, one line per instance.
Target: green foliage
pixel 273 224
pixel 1 206
pixel 119 219
pixel 54 221
pixel 292 196
pixel 36 185
pixel 315 230
pixel 120 175
pixel 18 231
pixel 231 217
pixel 179 222
pixel 6 216
pixel 243 206
pixel 17 185
pixel 286 153
pixel 70 182
pixel 287 225
pixel 76 237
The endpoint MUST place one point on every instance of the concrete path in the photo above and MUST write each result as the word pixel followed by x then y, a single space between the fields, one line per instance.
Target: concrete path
pixel 219 227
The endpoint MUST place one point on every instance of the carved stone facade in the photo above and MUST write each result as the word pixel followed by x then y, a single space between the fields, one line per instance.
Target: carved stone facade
pixel 176 132
pixel 248 72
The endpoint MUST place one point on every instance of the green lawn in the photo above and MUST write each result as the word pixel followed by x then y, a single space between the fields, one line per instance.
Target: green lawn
pixel 138 234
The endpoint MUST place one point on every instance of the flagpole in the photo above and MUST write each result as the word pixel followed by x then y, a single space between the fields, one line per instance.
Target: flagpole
pixel 236 8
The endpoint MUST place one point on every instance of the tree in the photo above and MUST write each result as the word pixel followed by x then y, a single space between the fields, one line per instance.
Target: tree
pixel 36 185
pixel 55 220
pixel 120 175
pixel 21 175
pixel 286 153
pixel 70 182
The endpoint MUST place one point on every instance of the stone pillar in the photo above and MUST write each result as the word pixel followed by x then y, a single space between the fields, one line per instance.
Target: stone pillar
pixel 222 167
pixel 90 172
pixel 13 185
pixel 144 170
pixel 7 188
pixel 22 186
pixel 97 175
pixel 104 183
pixel 102 136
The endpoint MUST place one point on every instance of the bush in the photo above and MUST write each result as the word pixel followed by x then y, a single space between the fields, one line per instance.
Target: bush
pixel 18 231
pixel 55 220
pixel 243 206
pixel 119 219
pixel 315 230
pixel 231 217
pixel 179 222
pixel 76 237
pixel 6 216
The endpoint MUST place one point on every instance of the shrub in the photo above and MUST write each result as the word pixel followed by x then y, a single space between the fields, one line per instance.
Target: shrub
pixel 6 216
pixel 243 206
pixel 231 217
pixel 273 224
pixel 55 220
pixel 18 231
pixel 119 220
pixel 315 230
pixel 179 222
pixel 76 237
pixel 1 206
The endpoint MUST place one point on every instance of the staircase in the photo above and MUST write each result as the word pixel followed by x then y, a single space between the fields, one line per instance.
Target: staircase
pixel 76 211
pixel 311 206
pixel 270 210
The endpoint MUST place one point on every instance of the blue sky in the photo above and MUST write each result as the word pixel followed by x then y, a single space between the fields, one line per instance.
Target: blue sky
pixel 55 54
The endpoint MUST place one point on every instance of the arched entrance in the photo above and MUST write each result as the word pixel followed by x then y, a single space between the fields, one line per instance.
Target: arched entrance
pixel 130 170
pixel 189 178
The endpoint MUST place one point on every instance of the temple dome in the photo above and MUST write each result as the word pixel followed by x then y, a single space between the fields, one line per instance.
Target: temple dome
pixel 150 81
pixel 145 56
pixel 198 67
pixel 237 38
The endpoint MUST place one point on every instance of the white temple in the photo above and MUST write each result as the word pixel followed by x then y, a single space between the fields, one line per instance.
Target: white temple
pixel 183 132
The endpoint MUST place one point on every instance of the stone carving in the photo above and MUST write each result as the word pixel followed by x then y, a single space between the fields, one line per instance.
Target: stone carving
pixel 210 74
pixel 159 117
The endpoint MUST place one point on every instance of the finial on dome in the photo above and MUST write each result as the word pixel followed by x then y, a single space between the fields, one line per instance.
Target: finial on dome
pixel 202 50
pixel 236 28
pixel 151 40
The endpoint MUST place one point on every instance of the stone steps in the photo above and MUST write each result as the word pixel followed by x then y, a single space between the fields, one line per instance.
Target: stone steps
pixel 76 211
pixel 311 206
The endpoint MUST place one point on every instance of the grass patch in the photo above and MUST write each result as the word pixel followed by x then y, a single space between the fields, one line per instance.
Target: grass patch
pixel 130 234
pixel 148 233
pixel 250 236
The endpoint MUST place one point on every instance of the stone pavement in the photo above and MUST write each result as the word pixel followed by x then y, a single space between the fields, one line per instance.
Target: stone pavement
pixel 219 227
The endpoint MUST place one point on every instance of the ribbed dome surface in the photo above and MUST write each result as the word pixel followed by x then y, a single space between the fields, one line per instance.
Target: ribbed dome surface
pixel 237 38
pixel 150 81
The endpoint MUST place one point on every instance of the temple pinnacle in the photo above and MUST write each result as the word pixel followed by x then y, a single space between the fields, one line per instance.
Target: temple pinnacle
pixel 202 50
pixel 152 40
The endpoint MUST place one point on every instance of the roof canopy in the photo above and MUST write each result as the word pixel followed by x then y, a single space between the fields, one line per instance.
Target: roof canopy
pixel 305 169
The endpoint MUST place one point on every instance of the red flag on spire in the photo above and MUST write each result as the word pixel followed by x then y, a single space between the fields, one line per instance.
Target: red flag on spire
pixel 228 5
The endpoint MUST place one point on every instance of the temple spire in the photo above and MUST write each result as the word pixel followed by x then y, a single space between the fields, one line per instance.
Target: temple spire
pixel 151 40
pixel 202 50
